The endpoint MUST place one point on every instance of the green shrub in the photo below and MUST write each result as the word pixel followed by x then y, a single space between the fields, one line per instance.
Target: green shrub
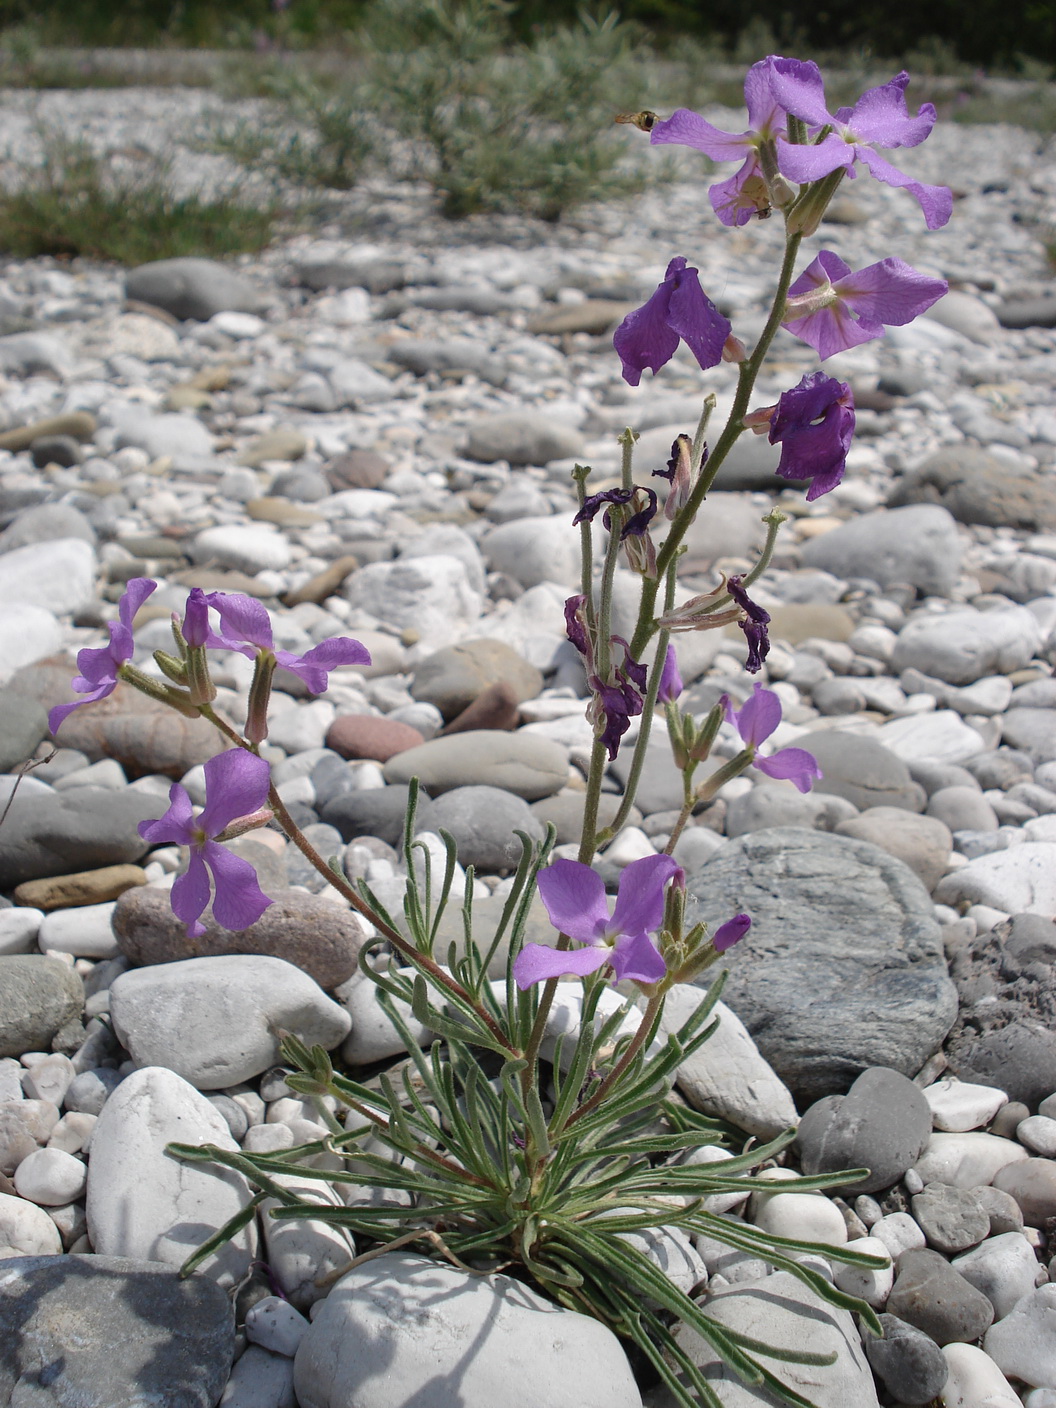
pixel 71 203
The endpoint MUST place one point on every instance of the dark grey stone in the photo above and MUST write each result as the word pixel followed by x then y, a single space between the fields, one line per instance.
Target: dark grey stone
pixel 483 821
pixel 453 354
pixel 919 545
pixel 882 1124
pixel 862 771
pixel 977 487
pixel 108 1332
pixel 39 996
pixel 377 811
pixel 23 725
pixel 331 776
pixel 952 1219
pixel 376 275
pixel 843 967
pixel 83 829
pixel 56 449
pixel 933 777
pixel 299 870
pixel 1037 312
pixel 306 486
pixel 931 1295
pixel 1003 768
pixel 192 288
pixel 911 1366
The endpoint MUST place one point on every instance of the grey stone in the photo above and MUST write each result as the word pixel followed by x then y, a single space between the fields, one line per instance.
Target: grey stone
pixel 483 821
pixel 931 1295
pixel 453 678
pixel 1031 730
pixel 882 1124
pixel 534 550
pixel 83 829
pixel 661 788
pixel 1003 1267
pixel 952 1219
pixel 1036 312
pixel 862 771
pixel 45 523
pixel 782 1311
pixel 525 764
pixel 452 354
pixel 773 804
pixel 395 1332
pixel 38 997
pixel 215 1021
pixel 192 288
pixel 376 274
pixel 124 1351
pixel 910 1364
pixel 432 596
pixel 964 644
pixel 260 1380
pixel 565 810
pixel 962 809
pixel 24 353
pixel 842 968
pixel 922 842
pixel 58 575
pixel 522 437
pixel 448 540
pixel 62 450
pixel 732 527
pixel 23 725
pixel 378 812
pixel 1022 1344
pixel 919 545
pixel 978 487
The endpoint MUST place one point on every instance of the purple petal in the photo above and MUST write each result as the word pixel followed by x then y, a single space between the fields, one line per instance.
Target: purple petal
pixel 575 628
pixel 758 716
pixel 98 664
pixel 236 785
pixel 810 163
pixel 644 338
pixel 314 678
pixel 765 114
pixel 730 933
pixel 190 895
pixel 935 201
pixel 794 765
pixel 637 957
pixel 244 619
pixel 238 900
pixel 136 592
pixel 670 680
pixel 574 898
pixel 800 89
pixel 174 827
pixel 61 712
pixel 338 651
pixel 640 900
pixel 685 128
pixel 880 116
pixel 536 963
pixel 195 626
pixel 832 330
pixel 890 292
pixel 740 196
pixel 825 268
pixel 697 321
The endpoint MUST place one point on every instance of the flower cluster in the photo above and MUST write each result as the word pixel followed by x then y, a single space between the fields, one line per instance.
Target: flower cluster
pixel 618 697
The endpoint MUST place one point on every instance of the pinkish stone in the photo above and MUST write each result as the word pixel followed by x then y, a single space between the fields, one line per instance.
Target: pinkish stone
pixel 364 736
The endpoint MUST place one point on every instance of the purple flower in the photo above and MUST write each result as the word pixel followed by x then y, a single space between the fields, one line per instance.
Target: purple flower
pixel 753 623
pixel 679 308
pixel 746 193
pixel 878 119
pixel 730 933
pixel 574 896
pixel 833 309
pixel 636 523
pixel 195 629
pixel 575 626
pixel 614 704
pixel 670 680
pixel 755 721
pixel 245 626
pixel 236 785
pixel 99 667
pixel 814 425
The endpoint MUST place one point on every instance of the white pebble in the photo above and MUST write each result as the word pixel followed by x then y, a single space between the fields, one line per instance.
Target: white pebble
pixel 18 929
pixel 805 1216
pixel 913 1182
pixel 1038 1133
pixel 958 1106
pixel 873 1287
pixel 85 932
pixel 975 1380
pixel 629 845
pixel 26 1230
pixel 967 1160
pixel 49 1079
pixel 275 1324
pixel 50 1177
pixel 898 1233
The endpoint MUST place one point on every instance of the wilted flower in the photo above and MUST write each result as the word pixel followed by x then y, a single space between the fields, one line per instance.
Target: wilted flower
pixel 670 680
pixel 755 721
pixel 878 119
pixel 679 308
pixel 101 666
pixel 753 623
pixel 834 309
pixel 574 897
pixel 236 786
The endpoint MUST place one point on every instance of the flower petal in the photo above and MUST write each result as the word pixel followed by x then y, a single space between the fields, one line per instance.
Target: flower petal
pixel 891 292
pixel 793 765
pixel 935 201
pixel 136 592
pixel 238 900
pixel 758 716
pixel 644 338
pixel 670 680
pixel 574 898
pixel 686 128
pixel 800 89
pixel 640 901
pixel 740 196
pixel 730 933
pixel 190 895
pixel 174 826
pixel 236 784
pixel 195 626
pixel 810 163
pixel 61 712
pixel 243 619
pixel 880 116
pixel 637 957
pixel 536 963
pixel 697 321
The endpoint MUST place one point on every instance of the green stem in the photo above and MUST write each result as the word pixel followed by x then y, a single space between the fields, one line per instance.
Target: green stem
pixel 680 824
